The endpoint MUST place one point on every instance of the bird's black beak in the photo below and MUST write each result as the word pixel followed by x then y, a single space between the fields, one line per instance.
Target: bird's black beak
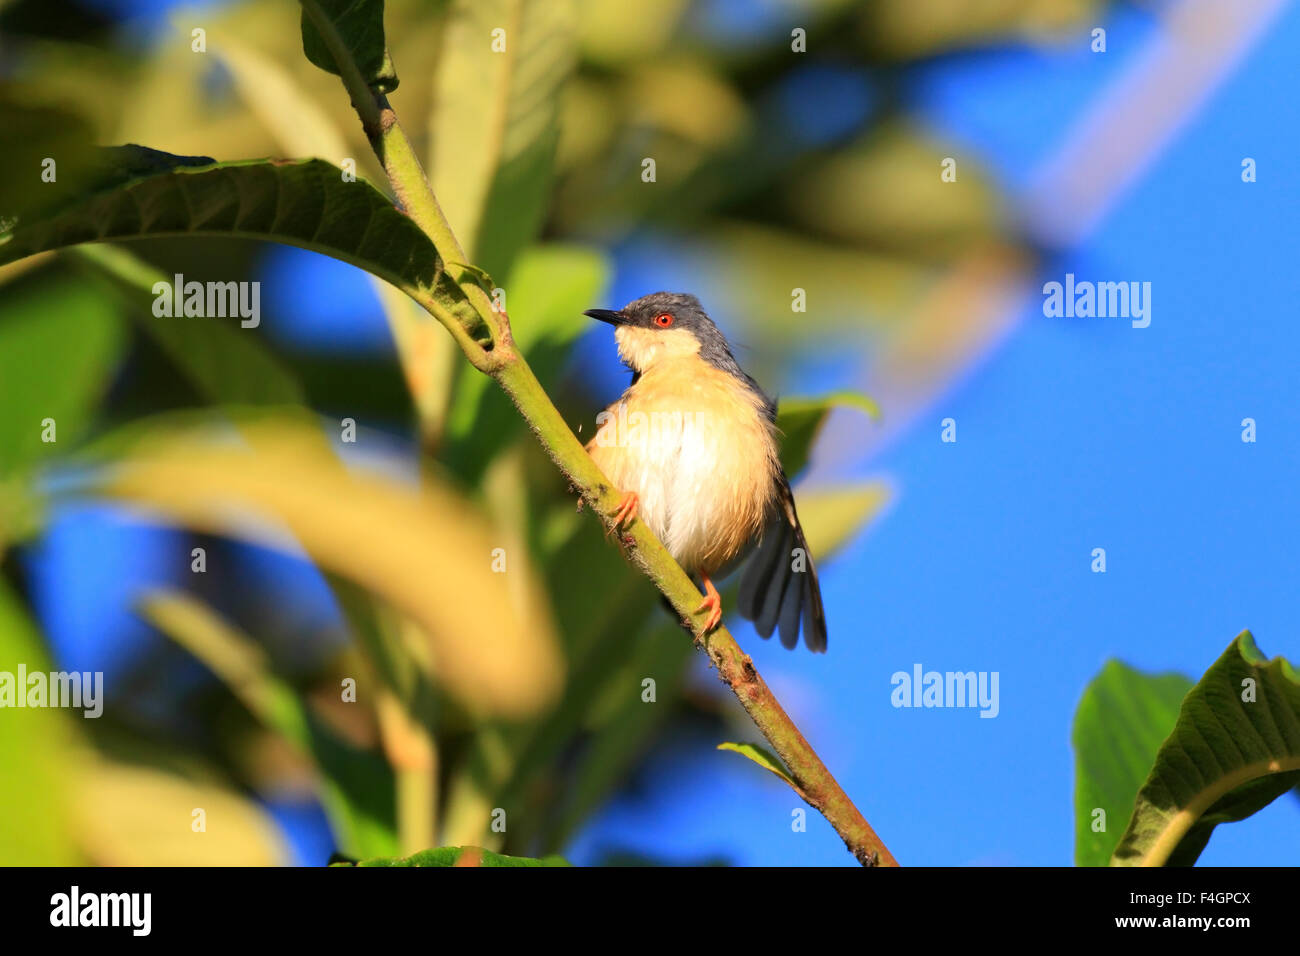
pixel 607 315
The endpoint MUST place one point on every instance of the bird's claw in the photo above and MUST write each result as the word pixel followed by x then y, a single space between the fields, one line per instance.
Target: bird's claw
pixel 712 601
pixel 625 513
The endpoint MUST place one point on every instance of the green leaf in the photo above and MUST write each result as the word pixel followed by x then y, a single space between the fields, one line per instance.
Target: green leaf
pixel 1234 749
pixel 301 203
pixel 360 25
pixel 801 419
pixel 225 363
pixel 1122 718
pixel 59 345
pixel 545 295
pixel 35 752
pixel 496 121
pixel 764 758
pixel 451 856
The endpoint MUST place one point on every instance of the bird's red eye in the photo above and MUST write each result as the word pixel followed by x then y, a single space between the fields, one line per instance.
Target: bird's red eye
pixel 663 320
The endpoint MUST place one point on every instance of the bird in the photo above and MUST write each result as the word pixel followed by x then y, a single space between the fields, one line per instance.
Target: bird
pixel 693 447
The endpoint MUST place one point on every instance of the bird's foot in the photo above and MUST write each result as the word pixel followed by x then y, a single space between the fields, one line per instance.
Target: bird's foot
pixel 712 601
pixel 625 513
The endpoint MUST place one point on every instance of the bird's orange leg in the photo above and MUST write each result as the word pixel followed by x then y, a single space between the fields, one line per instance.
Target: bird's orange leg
pixel 625 513
pixel 713 601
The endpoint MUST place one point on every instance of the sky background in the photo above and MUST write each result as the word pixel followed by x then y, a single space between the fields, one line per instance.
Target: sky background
pixel 1073 434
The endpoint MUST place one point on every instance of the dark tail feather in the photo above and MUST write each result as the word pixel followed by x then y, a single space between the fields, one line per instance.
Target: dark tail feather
pixel 791 604
pixel 765 623
pixel 753 583
pixel 773 593
pixel 814 614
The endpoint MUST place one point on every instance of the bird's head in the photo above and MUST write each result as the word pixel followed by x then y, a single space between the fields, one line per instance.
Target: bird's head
pixel 662 326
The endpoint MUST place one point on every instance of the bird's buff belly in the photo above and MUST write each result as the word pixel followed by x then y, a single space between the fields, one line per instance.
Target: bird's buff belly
pixel 703 475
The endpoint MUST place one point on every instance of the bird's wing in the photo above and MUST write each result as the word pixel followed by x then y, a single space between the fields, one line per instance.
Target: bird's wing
pixel 779 586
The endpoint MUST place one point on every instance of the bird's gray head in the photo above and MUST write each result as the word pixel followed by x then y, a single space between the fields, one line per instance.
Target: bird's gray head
pixel 665 325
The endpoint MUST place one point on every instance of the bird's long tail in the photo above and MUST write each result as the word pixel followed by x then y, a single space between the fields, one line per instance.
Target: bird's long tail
pixel 779 586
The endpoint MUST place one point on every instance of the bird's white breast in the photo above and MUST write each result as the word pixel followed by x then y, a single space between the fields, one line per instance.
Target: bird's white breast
pixel 696 447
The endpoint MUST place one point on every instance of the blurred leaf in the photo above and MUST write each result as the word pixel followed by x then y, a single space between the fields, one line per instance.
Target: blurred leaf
pixel 425 550
pixel 833 515
pixel 451 856
pixel 36 142
pixel 34 754
pixel 240 663
pixel 360 25
pixel 546 294
pixel 226 364
pixel 615 34
pixel 765 759
pixel 1234 749
pixel 1122 718
pixel 495 122
pixel 298 122
pixel 619 736
pixel 357 789
pixel 800 420
pixel 904 29
pixel 302 203
pixel 59 346
pixel 886 192
pixel 132 815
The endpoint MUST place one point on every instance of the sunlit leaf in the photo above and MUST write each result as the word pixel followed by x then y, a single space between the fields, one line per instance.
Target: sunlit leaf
pixel 1234 749
pixel 1121 721
pixel 136 815
pixel 800 421
pixel 764 758
pixel 495 124
pixel 424 550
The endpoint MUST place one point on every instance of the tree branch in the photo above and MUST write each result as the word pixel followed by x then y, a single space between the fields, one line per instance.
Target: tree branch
pixel 500 359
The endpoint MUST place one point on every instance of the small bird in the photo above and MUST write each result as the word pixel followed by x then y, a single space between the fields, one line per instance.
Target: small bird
pixel 692 444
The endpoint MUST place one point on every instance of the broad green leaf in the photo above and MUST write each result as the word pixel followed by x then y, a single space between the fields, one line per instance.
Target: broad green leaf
pixel 359 26
pixel 424 550
pixel 59 345
pixel 303 203
pixel 35 796
pixel 764 758
pixel 1122 718
pixel 1234 749
pixel 225 363
pixel 495 121
pixel 462 856
pixel 801 419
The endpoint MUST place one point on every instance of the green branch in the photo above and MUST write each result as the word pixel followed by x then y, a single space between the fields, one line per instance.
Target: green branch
pixel 502 361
